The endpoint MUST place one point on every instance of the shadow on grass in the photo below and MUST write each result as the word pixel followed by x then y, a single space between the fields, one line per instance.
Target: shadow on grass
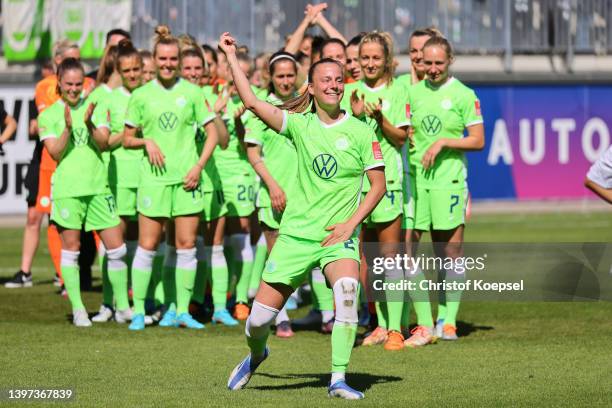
pixel 359 381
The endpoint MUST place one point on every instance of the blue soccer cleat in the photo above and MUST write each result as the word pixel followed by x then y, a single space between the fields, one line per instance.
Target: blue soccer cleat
pixel 340 389
pixel 138 322
pixel 169 319
pixel 185 320
pixel 224 317
pixel 291 303
pixel 242 373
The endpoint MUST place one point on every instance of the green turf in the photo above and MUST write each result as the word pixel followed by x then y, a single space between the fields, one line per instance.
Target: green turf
pixel 510 354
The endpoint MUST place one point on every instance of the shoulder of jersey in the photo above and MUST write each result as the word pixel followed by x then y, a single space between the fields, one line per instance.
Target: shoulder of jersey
pixel 143 88
pixel 57 106
pixel 461 86
pixel 358 124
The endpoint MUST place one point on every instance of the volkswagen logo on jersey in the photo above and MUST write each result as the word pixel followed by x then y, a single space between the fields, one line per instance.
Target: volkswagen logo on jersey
pixel 431 125
pixel 325 166
pixel 168 121
pixel 80 136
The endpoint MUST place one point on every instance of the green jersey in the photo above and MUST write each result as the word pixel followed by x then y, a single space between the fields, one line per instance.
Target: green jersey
pixel 81 170
pixel 100 96
pixel 210 179
pixel 331 161
pixel 442 112
pixel 279 155
pixel 394 100
pixel 124 168
pixel 167 116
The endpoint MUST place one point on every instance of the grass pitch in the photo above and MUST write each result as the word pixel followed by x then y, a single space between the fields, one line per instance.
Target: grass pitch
pixel 510 354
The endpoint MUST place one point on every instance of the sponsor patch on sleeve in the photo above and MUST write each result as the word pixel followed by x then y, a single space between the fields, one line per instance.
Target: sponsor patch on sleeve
pixel 407 111
pixel 477 107
pixel 376 151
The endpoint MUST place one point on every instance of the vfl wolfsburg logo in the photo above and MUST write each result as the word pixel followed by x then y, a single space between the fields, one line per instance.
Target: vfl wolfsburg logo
pixel 431 125
pixel 80 136
pixel 167 121
pixel 325 166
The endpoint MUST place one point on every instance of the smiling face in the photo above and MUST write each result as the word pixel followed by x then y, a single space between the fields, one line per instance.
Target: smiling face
pixel 148 70
pixel 327 85
pixel 284 78
pixel 71 86
pixel 167 61
pixel 130 69
pixel 192 69
pixel 436 63
pixel 416 53
pixel 372 60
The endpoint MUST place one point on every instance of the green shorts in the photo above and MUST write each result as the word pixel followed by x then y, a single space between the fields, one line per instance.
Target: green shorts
pixel 214 205
pixel 439 209
pixel 388 209
pixel 409 192
pixel 292 258
pixel 95 212
pixel 126 200
pixel 169 201
pixel 239 193
pixel 269 217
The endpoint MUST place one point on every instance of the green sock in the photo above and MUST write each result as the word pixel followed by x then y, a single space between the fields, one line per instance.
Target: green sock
pixel 186 266
pixel 72 283
pixel 441 298
pixel 119 281
pixel 155 291
pixel 107 287
pixel 141 275
pixel 242 285
pixel 405 324
pixel 322 296
pixel 169 277
pixel 453 299
pixel 420 300
pixel 394 313
pixel 219 276
pixel 199 284
pixel 258 345
pixel 261 254
pixel 343 340
pixel 382 315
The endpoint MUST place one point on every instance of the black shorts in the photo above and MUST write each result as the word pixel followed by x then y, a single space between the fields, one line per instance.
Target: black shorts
pixel 31 178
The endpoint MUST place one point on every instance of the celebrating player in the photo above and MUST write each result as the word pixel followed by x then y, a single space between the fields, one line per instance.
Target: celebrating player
pixel 165 109
pixel 75 134
pixel 319 224
pixel 445 109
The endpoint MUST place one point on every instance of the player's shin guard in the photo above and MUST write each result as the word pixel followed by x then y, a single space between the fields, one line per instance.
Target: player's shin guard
pixel 261 254
pixel 345 326
pixel 186 265
pixel 142 267
pixel 107 287
pixel 156 287
pixel 453 297
pixel 382 314
pixel 441 297
pixel 70 274
pixel 199 284
pixel 118 275
pixel 219 276
pixel 257 328
pixel 169 277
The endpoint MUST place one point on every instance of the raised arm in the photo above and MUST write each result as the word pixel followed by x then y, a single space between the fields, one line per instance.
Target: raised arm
pixel 267 112
pixel 328 28
pixel 295 40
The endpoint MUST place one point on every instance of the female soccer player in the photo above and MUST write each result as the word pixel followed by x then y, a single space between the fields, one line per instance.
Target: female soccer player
pixel 148 66
pixel 75 134
pixel 318 226
pixel 277 169
pixel 211 260
pixel 445 109
pixel 165 110
pixel 381 103
pixel 124 165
